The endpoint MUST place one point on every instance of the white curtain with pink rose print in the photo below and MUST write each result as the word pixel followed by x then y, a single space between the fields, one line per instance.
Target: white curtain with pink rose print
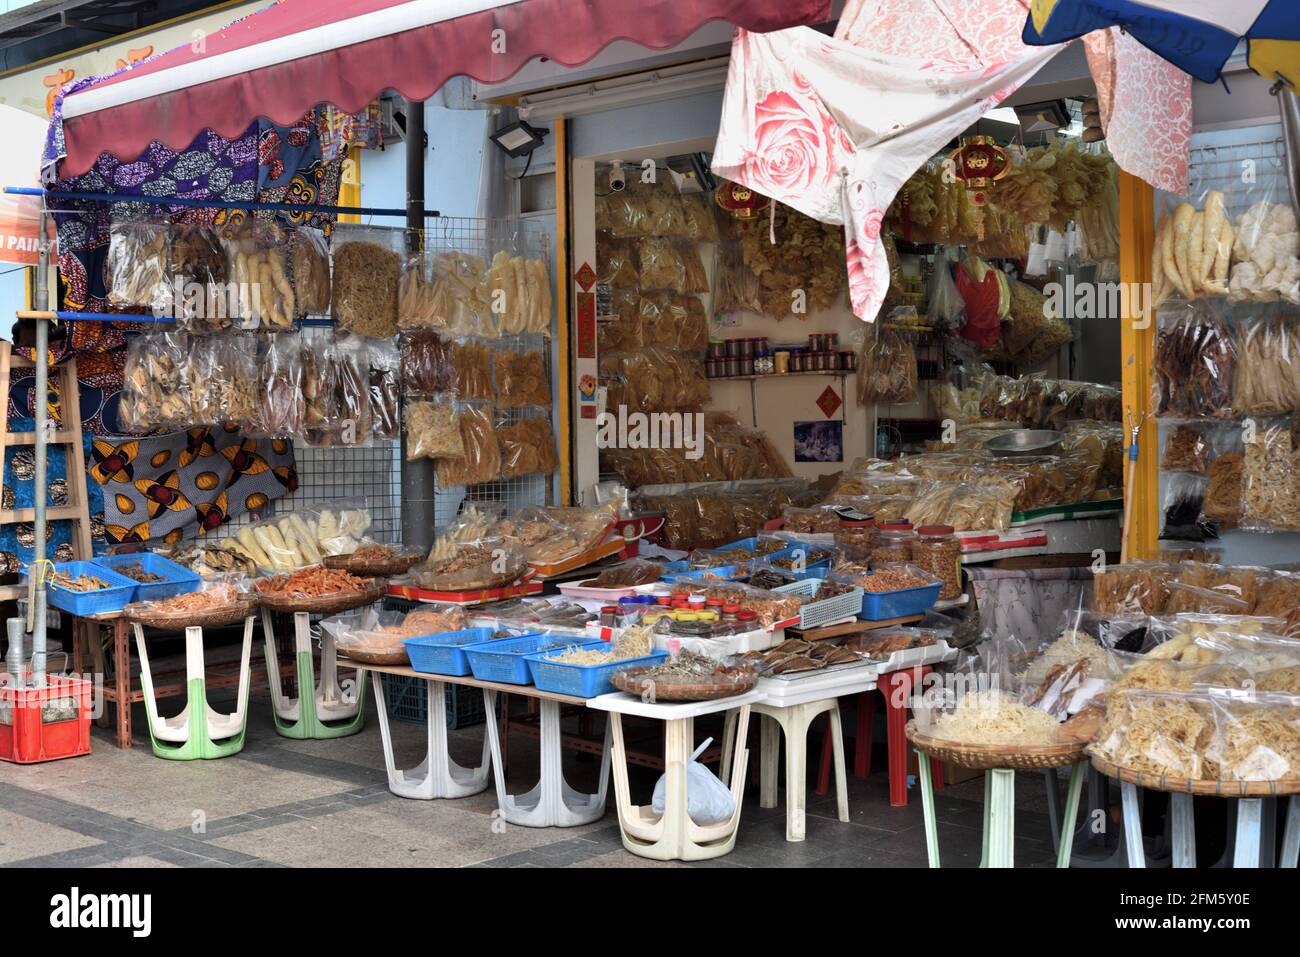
pixel 833 126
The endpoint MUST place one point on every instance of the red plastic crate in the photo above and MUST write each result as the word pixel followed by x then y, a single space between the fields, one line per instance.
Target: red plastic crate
pixel 27 739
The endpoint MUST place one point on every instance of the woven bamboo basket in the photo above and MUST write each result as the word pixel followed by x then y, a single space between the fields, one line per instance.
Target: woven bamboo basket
pixel 399 563
pixel 231 614
pixel 633 681
pixel 325 604
pixel 462 582
pixel 985 757
pixel 1176 785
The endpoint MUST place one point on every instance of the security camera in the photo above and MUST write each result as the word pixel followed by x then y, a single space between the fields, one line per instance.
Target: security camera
pixel 617 181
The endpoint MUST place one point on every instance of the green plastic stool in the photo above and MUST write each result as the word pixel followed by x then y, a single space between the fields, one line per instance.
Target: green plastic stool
pixel 998 847
pixel 198 732
pixel 325 712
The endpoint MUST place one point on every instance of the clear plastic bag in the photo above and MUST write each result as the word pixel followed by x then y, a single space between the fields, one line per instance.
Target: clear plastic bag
pixel 1213 589
pixel 1186 450
pixel 1195 362
pixel 1270 480
pixel 459 297
pixel 1267 372
pixel 417 295
pixel 340 526
pixel 473 564
pixel 482 459
pixel 966 506
pixel 518 292
pixel 672 321
pixel 708 801
pixel 309 265
pixel 1264 250
pixel 661 262
pixel 735 286
pixel 521 379
pixel 238 385
pixel 200 272
pixel 336 389
pixel 281 405
pixel 1132 588
pixel 1193 248
pixel 258 264
pixel 149 376
pixel 1183 505
pixel 471 360
pixel 886 368
pixel 137 268
pixel 385 380
pixel 202 372
pixel 367 274
pixel 426 364
pixel 433 430
pixel 616 262
pixel 527 447
pixel 369 635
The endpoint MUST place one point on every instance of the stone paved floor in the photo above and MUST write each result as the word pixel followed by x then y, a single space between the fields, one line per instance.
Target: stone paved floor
pixel 326 803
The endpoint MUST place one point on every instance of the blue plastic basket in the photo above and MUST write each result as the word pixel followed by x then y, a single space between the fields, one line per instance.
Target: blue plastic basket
pixel 114 598
pixel 179 580
pixel 695 574
pixel 879 606
pixel 583 681
pixel 444 654
pixel 408 700
pixel 504 660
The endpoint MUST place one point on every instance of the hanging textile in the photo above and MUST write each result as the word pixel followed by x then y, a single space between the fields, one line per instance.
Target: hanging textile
pixel 1146 108
pixel 835 126
pixel 17 541
pixel 169 487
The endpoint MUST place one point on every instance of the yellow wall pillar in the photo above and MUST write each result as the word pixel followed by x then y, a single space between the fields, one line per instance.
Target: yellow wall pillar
pixel 1137 237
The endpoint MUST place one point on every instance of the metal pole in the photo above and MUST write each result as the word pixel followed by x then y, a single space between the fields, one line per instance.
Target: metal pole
pixel 417 477
pixel 41 364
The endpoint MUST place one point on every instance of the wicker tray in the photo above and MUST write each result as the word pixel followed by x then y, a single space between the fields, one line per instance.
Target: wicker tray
pixel 230 614
pixel 398 564
pixel 375 657
pixel 985 757
pixel 1164 782
pixel 630 681
pixel 326 604
pixel 456 583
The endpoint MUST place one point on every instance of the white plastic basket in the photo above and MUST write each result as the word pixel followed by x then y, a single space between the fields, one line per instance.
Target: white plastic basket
pixel 827 611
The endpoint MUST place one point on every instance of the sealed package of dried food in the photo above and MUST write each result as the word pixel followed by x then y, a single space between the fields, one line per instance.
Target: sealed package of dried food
pixel 167 365
pixel 426 364
pixel 257 257
pixel 696 278
pixel 527 447
pixel 201 371
pixel 1132 588
pixel 886 367
pixel 433 430
pixel 367 275
pixel 521 379
pixel 966 506
pixel 471 361
pixel 673 321
pixel 715 524
pixel 1195 363
pixel 1270 482
pixel 459 297
pixel 616 262
pixel 1255 740
pixel 309 264
pixel 1236 588
pixel 238 386
pixel 137 270
pixel 349 360
pixel 200 274
pixel 1223 500
pixel 661 264
pixel 141 386
pixel 482 459
pixel 1267 380
pixel 1184 500
pixel 1186 450
pixel 1162 733
pixel 385 388
pixel 281 404
pixel 473 564
pixel 815 520
pixel 417 301
pixel 700 223
pixel 735 286
pixel 1279 597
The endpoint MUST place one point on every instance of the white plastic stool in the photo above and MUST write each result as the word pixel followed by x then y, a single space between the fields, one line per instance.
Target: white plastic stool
pixel 197 731
pixel 674 836
pixel 437 776
pixel 794 721
pixel 1248 841
pixel 328 700
pixel 552 803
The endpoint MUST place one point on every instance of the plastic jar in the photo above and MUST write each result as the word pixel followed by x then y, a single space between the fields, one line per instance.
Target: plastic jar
pixel 781 361
pixel 937 550
pixel 893 544
pixel 855 538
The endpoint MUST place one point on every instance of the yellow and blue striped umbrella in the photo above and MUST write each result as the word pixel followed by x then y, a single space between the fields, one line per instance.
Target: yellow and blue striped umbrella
pixel 1197 36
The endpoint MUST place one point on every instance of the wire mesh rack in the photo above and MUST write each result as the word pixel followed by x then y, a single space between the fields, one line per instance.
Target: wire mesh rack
pixel 1245 165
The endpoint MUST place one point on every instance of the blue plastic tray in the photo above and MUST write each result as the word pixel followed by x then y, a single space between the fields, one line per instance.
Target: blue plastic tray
pixel 179 579
pixel 444 654
pixel 729 572
pixel 114 598
pixel 504 660
pixel 583 681
pixel 879 606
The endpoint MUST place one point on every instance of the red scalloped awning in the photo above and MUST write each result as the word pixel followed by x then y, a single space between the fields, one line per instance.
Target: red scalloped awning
pixel 281 61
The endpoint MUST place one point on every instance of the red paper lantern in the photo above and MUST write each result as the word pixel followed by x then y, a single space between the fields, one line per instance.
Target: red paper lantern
pixel 740 201
pixel 977 164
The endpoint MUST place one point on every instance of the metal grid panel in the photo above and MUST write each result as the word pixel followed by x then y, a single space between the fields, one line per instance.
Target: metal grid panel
pixel 351 474
pixel 1245 165
pixel 484 238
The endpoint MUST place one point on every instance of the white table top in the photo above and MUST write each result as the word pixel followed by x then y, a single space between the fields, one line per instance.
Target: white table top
pixel 815 691
pixel 624 703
